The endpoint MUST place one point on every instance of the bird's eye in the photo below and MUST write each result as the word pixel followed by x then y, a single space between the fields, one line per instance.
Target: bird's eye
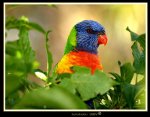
pixel 90 31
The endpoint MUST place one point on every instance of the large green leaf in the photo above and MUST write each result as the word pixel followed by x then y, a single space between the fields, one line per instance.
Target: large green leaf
pixel 134 36
pixel 139 59
pixel 86 85
pixel 127 72
pixel 69 85
pixel 54 98
pixel 138 52
pixel 139 38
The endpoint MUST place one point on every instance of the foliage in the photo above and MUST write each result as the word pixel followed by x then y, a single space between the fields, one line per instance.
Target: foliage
pixel 86 85
pixel 79 90
pixel 130 95
pixel 53 98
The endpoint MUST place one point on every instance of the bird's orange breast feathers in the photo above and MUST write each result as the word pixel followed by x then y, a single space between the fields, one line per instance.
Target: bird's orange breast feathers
pixel 79 58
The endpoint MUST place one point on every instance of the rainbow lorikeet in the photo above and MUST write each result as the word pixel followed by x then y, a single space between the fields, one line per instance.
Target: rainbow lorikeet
pixel 81 48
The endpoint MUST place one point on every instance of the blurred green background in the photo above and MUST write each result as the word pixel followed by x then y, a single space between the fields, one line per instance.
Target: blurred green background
pixel 62 17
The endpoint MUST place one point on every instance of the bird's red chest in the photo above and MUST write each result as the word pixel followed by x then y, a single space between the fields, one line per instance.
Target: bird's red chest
pixel 80 58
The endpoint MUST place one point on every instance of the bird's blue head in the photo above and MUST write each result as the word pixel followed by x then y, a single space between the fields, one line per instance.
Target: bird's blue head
pixel 89 35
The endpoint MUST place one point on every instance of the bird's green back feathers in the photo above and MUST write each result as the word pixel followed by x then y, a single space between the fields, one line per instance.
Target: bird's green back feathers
pixel 71 42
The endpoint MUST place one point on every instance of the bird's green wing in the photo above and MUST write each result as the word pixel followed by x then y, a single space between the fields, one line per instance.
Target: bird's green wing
pixel 70 45
pixel 71 42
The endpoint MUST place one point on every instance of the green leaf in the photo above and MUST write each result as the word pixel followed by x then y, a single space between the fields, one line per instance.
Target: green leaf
pixel 68 84
pixel 138 53
pixel 53 98
pixel 141 40
pixel 139 59
pixel 138 38
pixel 134 36
pixel 127 72
pixel 24 45
pixel 36 27
pixel 49 56
pixel 86 85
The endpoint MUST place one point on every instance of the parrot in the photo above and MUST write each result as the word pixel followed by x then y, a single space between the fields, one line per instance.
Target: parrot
pixel 81 47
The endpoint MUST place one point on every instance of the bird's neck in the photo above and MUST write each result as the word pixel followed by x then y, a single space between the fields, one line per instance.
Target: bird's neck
pixel 88 47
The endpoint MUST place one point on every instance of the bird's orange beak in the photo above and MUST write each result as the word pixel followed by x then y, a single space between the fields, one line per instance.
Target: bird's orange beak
pixel 102 39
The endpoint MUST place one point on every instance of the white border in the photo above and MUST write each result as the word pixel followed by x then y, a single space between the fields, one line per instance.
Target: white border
pixel 73 3
pixel 78 110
